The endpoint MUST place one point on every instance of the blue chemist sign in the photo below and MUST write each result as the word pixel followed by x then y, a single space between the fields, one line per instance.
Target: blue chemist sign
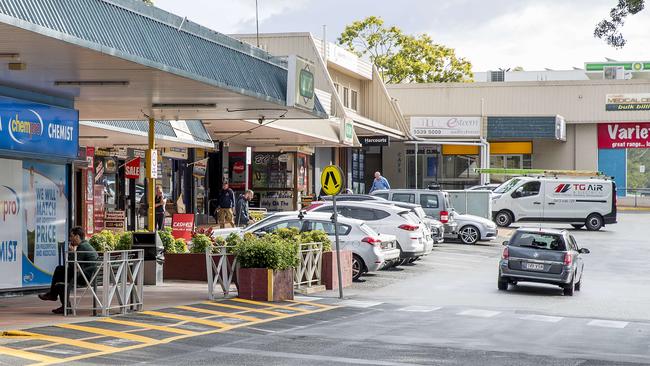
pixel 38 128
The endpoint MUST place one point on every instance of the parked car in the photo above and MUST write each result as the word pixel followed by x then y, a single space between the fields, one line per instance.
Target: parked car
pixel 387 219
pixel 472 228
pixel 352 197
pixel 484 187
pixel 543 256
pixel 434 203
pixel 370 251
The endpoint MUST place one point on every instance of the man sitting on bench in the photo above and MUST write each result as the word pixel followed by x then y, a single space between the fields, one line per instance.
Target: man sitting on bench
pixel 87 253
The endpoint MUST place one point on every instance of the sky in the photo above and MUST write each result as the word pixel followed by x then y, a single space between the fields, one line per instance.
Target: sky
pixel 492 34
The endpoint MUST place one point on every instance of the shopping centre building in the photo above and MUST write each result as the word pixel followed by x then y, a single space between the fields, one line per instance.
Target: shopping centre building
pixel 592 119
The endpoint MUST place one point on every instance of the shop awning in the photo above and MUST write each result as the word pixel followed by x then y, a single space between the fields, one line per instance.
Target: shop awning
pixel 186 134
pixel 367 127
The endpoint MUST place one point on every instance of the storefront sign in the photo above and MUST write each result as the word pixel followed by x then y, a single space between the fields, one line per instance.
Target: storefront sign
pixel 347 132
pixel 300 83
pixel 133 153
pixel 114 220
pixel 33 222
pixel 175 153
pixel 277 200
pixel 152 168
pixel 628 102
pixel 98 208
pixel 132 168
pixel 183 226
pixel 624 135
pixel 110 165
pixel 374 140
pixel 38 128
pixel 446 126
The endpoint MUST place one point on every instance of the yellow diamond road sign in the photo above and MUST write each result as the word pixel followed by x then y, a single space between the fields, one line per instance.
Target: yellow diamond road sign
pixel 332 180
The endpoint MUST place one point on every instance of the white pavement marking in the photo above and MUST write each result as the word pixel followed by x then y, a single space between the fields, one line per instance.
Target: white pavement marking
pixel 542 318
pixel 479 313
pixel 306 357
pixel 359 304
pixel 307 298
pixel 608 324
pixel 420 309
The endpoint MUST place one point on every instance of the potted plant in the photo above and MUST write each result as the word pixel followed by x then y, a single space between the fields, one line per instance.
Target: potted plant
pixel 186 264
pixel 266 266
pixel 329 272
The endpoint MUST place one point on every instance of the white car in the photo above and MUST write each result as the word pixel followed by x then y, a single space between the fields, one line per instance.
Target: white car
pixel 388 219
pixel 473 228
pixel 370 251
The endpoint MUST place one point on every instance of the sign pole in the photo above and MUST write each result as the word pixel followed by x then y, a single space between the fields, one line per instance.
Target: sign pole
pixel 335 220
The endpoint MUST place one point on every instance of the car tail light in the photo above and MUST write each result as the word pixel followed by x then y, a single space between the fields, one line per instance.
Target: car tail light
pixel 371 240
pixel 444 217
pixel 568 259
pixel 313 206
pixel 409 227
pixel 506 254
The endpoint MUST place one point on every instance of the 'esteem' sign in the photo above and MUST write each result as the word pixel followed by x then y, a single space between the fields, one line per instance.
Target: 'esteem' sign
pixel 446 126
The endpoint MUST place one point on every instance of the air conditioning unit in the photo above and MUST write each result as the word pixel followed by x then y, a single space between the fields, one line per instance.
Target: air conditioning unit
pixel 614 73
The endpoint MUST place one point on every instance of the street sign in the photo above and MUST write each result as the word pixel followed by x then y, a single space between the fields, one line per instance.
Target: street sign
pixel 152 169
pixel 132 169
pixel 331 179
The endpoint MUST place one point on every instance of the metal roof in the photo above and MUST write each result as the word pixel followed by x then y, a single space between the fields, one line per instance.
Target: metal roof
pixel 131 30
pixel 163 128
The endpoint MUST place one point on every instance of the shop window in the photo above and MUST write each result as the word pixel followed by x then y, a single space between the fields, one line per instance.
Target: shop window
pixel 460 166
pixel 354 98
pixel 346 97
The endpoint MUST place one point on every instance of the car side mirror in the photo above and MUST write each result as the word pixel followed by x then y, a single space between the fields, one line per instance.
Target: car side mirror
pixel 584 251
pixel 505 243
pixel 260 233
pixel 516 194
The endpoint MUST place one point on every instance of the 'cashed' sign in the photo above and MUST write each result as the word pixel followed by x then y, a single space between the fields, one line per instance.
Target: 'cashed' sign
pixel 624 135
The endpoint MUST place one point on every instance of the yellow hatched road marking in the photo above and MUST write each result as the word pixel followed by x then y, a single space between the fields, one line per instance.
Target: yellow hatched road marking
pixel 211 323
pixel 273 306
pixel 163 328
pixel 314 304
pixel 26 355
pixel 109 333
pixel 220 313
pixel 262 311
pixel 69 342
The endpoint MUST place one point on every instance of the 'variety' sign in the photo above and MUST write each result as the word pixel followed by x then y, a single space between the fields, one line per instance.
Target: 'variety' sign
pixel 624 135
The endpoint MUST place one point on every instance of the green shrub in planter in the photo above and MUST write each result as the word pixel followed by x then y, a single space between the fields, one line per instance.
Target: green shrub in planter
pixel 233 239
pixel 288 233
pixel 219 242
pixel 167 240
pixel 124 241
pixel 270 251
pixel 200 243
pixel 103 241
pixel 180 246
pixel 317 236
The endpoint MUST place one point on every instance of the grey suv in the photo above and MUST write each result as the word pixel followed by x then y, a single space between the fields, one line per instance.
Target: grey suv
pixel 543 256
pixel 434 203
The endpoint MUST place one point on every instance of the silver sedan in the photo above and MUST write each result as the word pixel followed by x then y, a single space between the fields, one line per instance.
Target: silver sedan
pixel 473 228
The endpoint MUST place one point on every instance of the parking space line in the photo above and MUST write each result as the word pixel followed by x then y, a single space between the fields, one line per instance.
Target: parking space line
pixel 542 318
pixel 245 308
pixel 273 306
pixel 69 342
pixel 25 355
pixel 479 313
pixel 108 333
pixel 219 313
pixel 310 303
pixel 608 324
pixel 359 304
pixel 162 328
pixel 420 309
pixel 190 319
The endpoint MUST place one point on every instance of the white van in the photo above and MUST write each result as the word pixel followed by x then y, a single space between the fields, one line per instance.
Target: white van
pixel 579 201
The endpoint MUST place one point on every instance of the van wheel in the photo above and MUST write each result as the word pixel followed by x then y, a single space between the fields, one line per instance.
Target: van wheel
pixel 469 234
pixel 577 226
pixel 594 222
pixel 503 218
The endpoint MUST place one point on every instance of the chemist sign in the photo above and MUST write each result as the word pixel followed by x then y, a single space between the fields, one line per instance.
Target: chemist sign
pixel 38 128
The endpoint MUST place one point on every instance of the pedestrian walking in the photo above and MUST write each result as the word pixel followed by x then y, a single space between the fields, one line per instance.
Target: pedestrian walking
pixel 379 183
pixel 242 215
pixel 160 204
pixel 225 207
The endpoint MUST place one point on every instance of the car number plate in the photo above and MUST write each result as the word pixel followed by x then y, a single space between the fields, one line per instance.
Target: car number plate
pixel 534 266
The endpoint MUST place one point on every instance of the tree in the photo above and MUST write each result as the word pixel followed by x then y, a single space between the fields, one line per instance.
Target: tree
pixel 610 29
pixel 148 2
pixel 402 58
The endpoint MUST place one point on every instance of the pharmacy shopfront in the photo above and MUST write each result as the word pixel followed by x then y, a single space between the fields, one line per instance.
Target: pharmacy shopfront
pixel 37 143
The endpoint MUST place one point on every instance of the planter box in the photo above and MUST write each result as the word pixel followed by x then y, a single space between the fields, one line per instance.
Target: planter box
pixel 329 272
pixel 188 267
pixel 261 284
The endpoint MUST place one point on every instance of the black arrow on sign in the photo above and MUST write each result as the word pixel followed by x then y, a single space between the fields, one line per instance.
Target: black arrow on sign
pixel 331 175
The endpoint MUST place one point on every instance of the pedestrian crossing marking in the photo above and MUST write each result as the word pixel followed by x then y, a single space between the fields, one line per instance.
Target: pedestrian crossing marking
pixel 190 319
pixel 219 313
pixel 274 306
pixel 108 333
pixel 68 341
pixel 149 326
pixel 310 303
pixel 25 355
pixel 245 308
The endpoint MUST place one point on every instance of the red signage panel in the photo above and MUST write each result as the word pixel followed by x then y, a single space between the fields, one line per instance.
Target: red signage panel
pixel 132 169
pixel 182 226
pixel 624 135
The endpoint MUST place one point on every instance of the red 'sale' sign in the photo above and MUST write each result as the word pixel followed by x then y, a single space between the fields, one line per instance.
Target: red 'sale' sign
pixel 132 169
pixel 182 226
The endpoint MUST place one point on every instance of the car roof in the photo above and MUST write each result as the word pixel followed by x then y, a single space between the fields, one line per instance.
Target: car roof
pixel 347 197
pixel 369 204
pixel 542 230
pixel 407 190
pixel 310 215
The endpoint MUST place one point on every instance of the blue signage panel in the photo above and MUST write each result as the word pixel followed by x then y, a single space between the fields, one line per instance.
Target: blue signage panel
pixel 38 128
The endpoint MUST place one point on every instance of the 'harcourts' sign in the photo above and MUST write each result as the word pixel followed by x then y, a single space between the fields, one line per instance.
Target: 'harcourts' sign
pixel 446 126
pixel 38 128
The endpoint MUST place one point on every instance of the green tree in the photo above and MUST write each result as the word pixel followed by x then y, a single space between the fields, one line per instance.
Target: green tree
pixel 610 29
pixel 148 2
pixel 403 58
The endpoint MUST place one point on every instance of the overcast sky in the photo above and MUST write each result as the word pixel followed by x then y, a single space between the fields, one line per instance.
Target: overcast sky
pixel 534 34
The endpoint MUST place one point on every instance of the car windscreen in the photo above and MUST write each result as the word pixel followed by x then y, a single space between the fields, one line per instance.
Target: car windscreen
pixel 538 240
pixel 508 185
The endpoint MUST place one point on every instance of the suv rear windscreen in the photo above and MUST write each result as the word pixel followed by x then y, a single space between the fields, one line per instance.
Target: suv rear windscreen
pixel 537 241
